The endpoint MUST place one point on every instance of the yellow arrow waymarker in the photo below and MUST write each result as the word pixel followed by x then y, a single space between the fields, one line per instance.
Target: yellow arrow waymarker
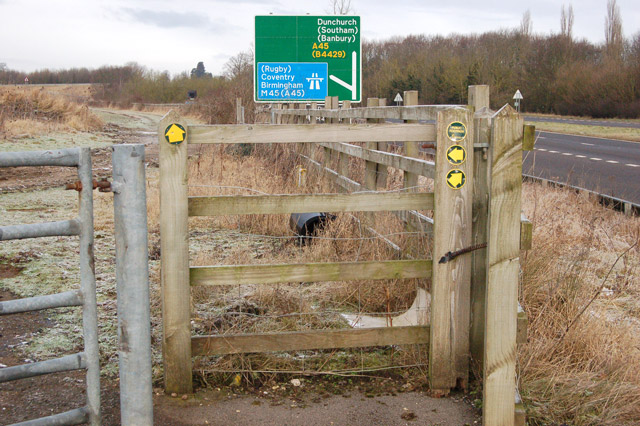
pixel 456 179
pixel 175 133
pixel 456 154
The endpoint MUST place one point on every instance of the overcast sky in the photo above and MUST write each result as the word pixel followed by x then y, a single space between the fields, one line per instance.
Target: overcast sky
pixel 174 35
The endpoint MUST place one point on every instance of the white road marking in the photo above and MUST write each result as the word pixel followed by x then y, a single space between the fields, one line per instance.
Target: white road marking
pixel 612 162
pixel 633 165
pixel 595 159
pixel 553 152
pixel 581 156
pixel 540 149
pixel 567 153
pixel 587 144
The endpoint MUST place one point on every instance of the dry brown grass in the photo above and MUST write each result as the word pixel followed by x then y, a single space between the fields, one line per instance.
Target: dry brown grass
pixel 30 113
pixel 580 288
pixel 267 239
pixel 579 366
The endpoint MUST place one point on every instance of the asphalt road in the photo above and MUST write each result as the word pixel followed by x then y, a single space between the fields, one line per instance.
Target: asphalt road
pixel 606 166
pixel 584 122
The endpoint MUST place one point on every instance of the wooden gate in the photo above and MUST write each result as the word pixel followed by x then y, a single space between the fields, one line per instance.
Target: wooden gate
pixel 476 200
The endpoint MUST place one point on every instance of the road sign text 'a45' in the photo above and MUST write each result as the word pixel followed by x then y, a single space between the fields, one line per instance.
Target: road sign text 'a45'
pixel 305 58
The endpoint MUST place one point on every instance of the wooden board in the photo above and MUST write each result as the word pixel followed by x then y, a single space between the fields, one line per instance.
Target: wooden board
pixel 451 284
pixel 482 121
pixel 521 327
pixel 413 165
pixel 526 233
pixel 520 418
pixel 529 138
pixel 479 96
pixel 309 272
pixel 422 112
pixel 309 133
pixel 305 340
pixel 503 251
pixel 371 168
pixel 411 149
pixel 176 309
pixel 417 220
pixel 277 204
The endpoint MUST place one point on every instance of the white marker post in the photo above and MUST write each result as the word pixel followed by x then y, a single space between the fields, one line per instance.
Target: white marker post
pixel 518 97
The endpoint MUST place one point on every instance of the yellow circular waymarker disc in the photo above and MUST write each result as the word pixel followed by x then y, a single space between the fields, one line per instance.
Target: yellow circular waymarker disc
pixel 457 131
pixel 456 155
pixel 456 179
pixel 175 133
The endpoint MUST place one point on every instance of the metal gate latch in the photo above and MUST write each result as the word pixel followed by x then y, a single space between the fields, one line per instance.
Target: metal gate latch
pixel 453 254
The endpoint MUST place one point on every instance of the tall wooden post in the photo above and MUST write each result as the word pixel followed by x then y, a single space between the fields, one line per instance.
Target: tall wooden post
pixel 343 159
pixel 411 148
pixel 176 293
pixel 479 96
pixel 371 168
pixel 479 100
pixel 450 286
pixel 503 263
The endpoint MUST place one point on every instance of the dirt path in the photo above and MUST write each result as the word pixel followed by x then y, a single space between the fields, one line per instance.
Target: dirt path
pixel 352 408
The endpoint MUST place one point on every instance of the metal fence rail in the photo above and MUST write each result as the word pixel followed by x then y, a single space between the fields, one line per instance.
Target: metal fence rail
pixel 86 296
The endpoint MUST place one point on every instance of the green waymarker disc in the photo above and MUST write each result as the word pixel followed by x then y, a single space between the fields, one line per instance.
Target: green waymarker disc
pixel 457 131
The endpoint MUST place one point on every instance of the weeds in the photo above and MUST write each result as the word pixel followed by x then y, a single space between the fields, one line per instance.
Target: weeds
pixel 580 286
pixel 30 113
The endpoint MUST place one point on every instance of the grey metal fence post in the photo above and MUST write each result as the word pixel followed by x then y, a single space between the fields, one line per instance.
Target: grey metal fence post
pixel 88 287
pixel 132 278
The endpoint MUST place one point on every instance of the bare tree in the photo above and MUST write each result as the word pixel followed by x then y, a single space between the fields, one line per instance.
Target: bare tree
pixel 566 21
pixel 613 30
pixel 340 7
pixel 526 26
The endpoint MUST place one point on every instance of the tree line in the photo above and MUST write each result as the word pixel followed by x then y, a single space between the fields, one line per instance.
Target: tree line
pixel 555 73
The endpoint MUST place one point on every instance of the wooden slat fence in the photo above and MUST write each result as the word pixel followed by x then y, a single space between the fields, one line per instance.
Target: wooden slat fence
pixel 466 305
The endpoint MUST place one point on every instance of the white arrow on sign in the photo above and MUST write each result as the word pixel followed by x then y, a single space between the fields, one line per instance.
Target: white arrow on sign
pixel 398 98
pixel 348 86
pixel 518 95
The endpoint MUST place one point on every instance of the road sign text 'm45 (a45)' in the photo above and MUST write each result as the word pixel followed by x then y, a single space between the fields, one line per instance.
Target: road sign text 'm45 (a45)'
pixel 306 58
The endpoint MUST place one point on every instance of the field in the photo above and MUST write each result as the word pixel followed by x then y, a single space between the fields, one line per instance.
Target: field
pixel 580 287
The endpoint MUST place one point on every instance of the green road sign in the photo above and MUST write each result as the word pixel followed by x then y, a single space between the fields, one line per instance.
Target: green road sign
pixel 305 58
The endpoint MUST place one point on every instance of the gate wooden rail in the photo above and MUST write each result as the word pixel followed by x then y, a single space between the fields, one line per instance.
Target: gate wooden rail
pixel 458 322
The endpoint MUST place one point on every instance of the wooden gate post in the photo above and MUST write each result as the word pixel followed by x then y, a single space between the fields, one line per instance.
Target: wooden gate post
pixel 176 293
pixel 411 148
pixel 503 264
pixel 450 286
pixel 371 168
pixel 479 100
